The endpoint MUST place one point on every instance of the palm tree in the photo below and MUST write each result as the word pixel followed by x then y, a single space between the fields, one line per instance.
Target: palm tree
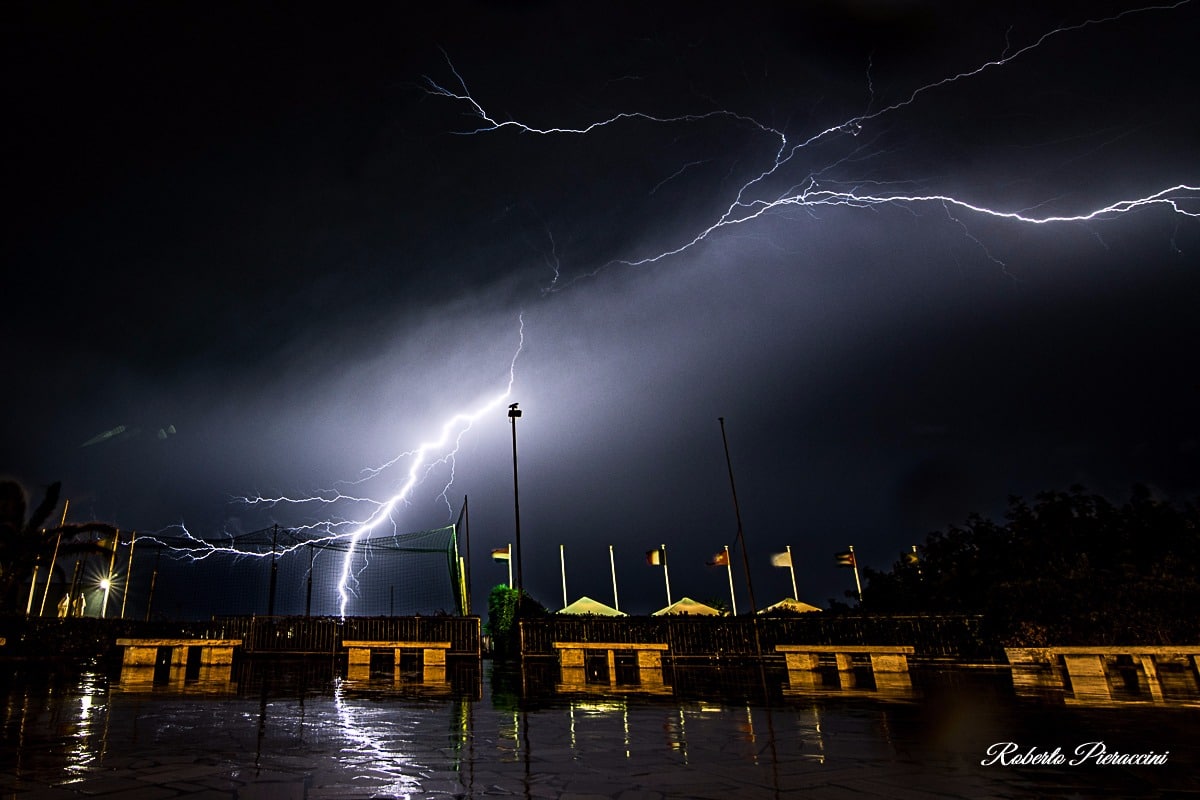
pixel 24 543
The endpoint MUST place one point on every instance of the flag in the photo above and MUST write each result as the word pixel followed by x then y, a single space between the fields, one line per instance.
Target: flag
pixel 781 559
pixel 845 559
pixel 721 559
pixel 910 559
pixel 654 557
pixel 501 554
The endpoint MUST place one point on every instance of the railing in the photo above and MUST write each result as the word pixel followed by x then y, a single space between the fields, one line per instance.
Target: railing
pixel 726 637
pixel 280 635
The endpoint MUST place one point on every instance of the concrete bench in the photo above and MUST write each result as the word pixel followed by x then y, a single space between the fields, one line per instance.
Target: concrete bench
pixel 883 658
pixel 889 667
pixel 1035 668
pixel 144 652
pixel 572 658
pixel 432 653
pixel 572 654
pixel 433 658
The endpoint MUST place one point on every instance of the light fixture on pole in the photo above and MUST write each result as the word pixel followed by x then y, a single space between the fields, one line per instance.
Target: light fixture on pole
pixel 514 413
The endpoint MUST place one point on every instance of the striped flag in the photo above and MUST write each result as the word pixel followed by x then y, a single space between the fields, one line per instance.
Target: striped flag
pixel 501 554
pixel 845 559
pixel 654 557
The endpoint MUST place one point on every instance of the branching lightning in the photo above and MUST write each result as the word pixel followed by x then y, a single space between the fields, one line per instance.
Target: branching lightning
pixel 811 193
pixel 750 201
pixel 440 450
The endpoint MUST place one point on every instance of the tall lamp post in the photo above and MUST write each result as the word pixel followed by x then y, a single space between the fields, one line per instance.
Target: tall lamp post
pixel 514 413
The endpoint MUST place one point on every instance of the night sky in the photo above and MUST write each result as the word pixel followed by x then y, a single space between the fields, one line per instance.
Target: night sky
pixel 261 227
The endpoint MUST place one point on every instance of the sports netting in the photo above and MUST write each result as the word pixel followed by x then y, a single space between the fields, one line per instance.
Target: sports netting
pixel 187 579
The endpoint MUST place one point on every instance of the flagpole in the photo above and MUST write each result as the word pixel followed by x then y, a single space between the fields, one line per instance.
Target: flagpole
pixel 612 563
pixel 792 569
pixel 562 565
pixel 857 582
pixel 729 570
pixel 128 573
pixel 54 558
pixel 32 587
pixel 153 581
pixel 666 576
pixel 510 583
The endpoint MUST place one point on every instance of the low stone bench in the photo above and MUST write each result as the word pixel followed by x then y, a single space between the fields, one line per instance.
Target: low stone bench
pixel 432 653
pixel 433 658
pixel 572 658
pixel 883 658
pixel 144 652
pixel 1034 668
pixel 572 654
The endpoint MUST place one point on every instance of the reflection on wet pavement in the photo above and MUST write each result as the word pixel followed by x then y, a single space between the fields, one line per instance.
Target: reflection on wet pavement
pixel 303 730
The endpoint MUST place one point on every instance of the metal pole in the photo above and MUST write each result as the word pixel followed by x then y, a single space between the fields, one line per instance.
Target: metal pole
pixel 32 586
pixel 74 586
pixel 153 581
pixel 666 575
pixel 464 597
pixel 729 570
pixel 562 563
pixel 128 573
pixel 112 563
pixel 738 513
pixel 466 516
pixel 308 597
pixel 792 569
pixel 510 560
pixel 54 558
pixel 762 670
pixel 274 571
pixel 857 582
pixel 513 414
pixel 612 563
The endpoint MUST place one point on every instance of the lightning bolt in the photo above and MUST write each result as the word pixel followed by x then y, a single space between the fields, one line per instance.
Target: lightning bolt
pixel 750 201
pixel 440 450
pixel 810 192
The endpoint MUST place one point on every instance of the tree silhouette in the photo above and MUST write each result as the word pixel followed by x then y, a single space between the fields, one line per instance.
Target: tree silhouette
pixel 1070 568
pixel 25 543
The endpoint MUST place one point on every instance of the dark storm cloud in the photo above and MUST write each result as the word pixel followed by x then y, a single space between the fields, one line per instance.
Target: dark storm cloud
pixel 264 232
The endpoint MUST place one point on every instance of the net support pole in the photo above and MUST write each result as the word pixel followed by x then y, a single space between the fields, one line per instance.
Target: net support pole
pixel 308 596
pixel 274 571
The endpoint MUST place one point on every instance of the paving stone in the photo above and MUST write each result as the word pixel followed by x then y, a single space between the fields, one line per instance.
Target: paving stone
pixel 272 790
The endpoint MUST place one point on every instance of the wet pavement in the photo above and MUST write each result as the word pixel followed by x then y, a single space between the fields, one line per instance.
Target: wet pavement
pixel 309 733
